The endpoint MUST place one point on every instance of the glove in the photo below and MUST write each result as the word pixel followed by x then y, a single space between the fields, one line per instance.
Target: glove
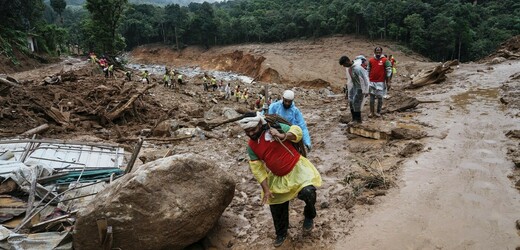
pixel 308 147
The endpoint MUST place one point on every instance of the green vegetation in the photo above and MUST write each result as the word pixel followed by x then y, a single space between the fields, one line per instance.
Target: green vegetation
pixel 439 29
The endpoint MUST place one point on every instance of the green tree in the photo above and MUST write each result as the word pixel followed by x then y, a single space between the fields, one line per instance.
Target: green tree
pixel 105 16
pixel 176 22
pixel 59 6
pixel 414 24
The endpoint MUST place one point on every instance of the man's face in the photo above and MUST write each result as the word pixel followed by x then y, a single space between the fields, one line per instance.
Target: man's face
pixel 287 103
pixel 378 53
pixel 254 133
pixel 347 64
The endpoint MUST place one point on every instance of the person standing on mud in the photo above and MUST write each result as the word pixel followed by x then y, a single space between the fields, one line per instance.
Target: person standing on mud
pixel 286 109
pixel 379 72
pixel 359 86
pixel 227 90
pixel 179 79
pixel 146 77
pixel 205 82
pixel 281 171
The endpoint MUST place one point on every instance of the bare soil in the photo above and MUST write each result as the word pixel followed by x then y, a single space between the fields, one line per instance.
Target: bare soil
pixel 442 178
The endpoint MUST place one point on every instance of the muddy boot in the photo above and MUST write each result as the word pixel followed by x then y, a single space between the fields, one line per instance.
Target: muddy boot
pixel 279 240
pixel 352 114
pixel 379 105
pixel 372 104
pixel 358 117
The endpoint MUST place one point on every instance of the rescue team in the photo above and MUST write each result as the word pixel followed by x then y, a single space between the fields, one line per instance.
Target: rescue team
pixel 279 166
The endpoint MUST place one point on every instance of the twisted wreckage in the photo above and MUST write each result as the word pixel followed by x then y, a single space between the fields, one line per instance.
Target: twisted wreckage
pixel 47 190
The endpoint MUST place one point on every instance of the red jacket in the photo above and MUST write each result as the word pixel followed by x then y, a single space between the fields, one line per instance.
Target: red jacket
pixel 377 69
pixel 276 157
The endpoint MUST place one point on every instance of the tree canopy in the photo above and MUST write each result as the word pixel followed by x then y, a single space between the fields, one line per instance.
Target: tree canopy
pixel 439 29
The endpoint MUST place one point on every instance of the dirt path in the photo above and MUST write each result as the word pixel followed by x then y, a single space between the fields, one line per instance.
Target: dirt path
pixel 456 195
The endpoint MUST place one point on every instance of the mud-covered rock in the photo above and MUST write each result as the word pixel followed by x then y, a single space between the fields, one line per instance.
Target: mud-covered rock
pixel 513 134
pixel 165 204
pixel 165 128
pixel 407 134
pixel 411 148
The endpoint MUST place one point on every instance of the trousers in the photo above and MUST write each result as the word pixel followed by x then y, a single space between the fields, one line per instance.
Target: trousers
pixel 280 212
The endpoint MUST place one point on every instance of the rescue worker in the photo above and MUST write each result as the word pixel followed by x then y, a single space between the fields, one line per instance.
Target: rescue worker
pixel 282 172
pixel 286 109
pixel 379 73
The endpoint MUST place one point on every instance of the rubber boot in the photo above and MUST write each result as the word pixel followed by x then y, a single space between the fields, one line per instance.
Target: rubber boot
pixel 379 105
pixel 358 117
pixel 352 114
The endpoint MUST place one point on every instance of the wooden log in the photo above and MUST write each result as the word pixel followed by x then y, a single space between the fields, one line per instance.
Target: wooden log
pixel 117 112
pixel 36 130
pixel 210 126
pixel 10 83
pixel 432 76
pixel 120 140
pixel 134 156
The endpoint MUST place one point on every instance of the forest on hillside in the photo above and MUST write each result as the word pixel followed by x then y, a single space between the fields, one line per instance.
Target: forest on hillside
pixel 155 2
pixel 439 29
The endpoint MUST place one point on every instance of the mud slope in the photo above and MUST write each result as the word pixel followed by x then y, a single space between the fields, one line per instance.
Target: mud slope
pixel 311 63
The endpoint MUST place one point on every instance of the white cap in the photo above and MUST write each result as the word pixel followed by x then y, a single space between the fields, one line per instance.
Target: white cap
pixel 288 94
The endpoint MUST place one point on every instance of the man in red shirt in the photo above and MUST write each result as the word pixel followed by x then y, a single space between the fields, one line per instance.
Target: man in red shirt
pixel 379 72
pixel 282 172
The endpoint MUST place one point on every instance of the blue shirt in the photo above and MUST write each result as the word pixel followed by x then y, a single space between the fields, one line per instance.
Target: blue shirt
pixel 292 115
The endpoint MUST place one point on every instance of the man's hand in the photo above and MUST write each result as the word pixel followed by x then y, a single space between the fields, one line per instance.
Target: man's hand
pixel 267 196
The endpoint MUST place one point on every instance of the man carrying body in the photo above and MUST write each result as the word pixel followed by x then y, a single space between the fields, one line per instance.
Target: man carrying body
pixel 379 72
pixel 286 109
pixel 281 171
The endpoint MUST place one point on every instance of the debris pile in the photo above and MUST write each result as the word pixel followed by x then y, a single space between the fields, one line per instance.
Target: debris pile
pixel 44 183
pixel 96 102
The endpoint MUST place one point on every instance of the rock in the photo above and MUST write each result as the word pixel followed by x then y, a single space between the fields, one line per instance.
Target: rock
pixel 498 60
pixel 229 113
pixel 368 132
pixel 345 118
pixel 165 204
pixel 411 148
pixel 407 134
pixel 166 128
pixel 513 134
pixel 193 110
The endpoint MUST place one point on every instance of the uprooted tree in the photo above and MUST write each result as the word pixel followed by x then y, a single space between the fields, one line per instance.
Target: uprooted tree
pixel 432 76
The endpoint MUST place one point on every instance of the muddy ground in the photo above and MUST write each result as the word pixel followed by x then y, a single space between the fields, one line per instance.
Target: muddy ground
pixel 444 177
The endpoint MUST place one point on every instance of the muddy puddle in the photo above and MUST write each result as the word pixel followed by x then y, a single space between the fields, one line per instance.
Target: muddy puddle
pixel 489 96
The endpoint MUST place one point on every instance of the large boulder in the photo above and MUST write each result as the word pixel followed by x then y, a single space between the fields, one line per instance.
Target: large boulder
pixel 165 204
pixel 165 128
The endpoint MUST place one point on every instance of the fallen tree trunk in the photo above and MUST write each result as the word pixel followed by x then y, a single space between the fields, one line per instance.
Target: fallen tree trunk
pixel 209 126
pixel 62 118
pixel 408 103
pixel 36 130
pixel 6 85
pixel 432 76
pixel 8 82
pixel 117 112
pixel 121 140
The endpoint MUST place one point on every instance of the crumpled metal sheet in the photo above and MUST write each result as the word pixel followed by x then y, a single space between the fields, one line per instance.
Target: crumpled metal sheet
pixel 43 241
